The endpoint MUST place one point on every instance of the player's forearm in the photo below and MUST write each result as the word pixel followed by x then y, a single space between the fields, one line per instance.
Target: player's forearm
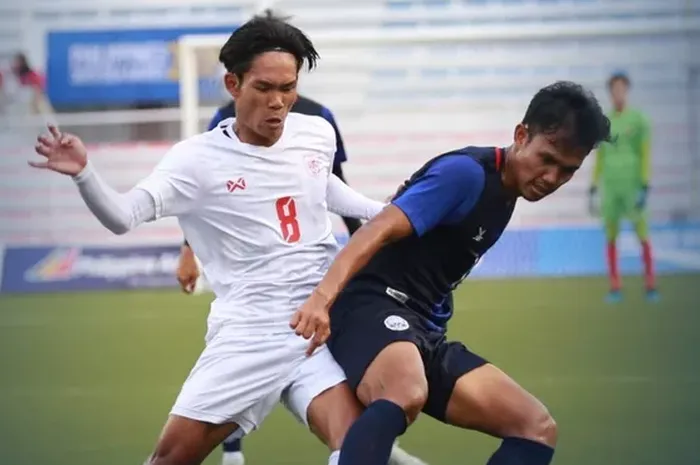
pixel 363 245
pixel 345 201
pixel 117 212
pixel 646 162
pixel 598 167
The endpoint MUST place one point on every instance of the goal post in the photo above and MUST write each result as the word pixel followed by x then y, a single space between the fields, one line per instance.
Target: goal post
pixel 402 95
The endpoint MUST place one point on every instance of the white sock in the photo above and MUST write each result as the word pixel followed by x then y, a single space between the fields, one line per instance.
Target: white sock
pixel 233 458
pixel 334 458
pixel 401 457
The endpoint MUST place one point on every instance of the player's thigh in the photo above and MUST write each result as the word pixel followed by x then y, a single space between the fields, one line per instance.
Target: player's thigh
pixel 484 398
pixel 612 212
pixel 638 218
pixel 320 398
pixel 378 344
pixel 185 441
pixel 236 379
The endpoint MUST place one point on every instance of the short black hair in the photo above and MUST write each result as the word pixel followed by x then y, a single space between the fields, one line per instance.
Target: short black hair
pixel 265 33
pixel 619 76
pixel 571 112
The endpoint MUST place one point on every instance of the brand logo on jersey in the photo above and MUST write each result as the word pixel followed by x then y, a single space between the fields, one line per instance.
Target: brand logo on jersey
pixel 237 184
pixel 480 235
pixel 315 165
pixel 396 323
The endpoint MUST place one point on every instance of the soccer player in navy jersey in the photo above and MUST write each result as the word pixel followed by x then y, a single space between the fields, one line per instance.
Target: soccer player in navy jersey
pixel 381 301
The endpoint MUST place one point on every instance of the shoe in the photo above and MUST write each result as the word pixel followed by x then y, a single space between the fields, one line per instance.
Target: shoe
pixel 653 295
pixel 614 297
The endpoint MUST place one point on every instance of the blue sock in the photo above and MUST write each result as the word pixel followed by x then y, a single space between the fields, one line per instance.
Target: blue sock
pixel 518 451
pixel 371 437
pixel 232 445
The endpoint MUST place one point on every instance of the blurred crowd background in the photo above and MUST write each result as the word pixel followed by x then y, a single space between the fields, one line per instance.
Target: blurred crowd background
pixel 406 80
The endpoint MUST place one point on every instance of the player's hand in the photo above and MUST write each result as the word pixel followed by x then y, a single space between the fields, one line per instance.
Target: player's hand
pixel 642 198
pixel 64 153
pixel 312 322
pixel 593 201
pixel 187 270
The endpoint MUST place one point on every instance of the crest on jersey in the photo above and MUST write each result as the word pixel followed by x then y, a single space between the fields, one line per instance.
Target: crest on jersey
pixel 396 323
pixel 237 184
pixel 316 165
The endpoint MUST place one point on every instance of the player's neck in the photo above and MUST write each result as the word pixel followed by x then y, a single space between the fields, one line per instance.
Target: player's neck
pixel 507 177
pixel 620 109
pixel 250 137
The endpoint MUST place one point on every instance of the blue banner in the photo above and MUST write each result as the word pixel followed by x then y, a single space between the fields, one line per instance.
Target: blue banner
pixel 519 253
pixel 118 66
pixel 42 269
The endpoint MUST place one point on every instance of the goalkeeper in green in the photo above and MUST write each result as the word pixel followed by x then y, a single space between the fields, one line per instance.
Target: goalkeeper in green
pixel 621 174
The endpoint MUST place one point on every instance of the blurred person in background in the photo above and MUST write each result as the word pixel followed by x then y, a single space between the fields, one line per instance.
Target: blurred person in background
pixel 621 175
pixel 23 89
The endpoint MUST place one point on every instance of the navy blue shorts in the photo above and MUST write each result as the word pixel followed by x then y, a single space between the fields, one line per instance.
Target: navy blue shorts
pixel 365 319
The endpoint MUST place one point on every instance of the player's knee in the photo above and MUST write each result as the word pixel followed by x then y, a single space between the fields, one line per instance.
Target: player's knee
pixel 397 374
pixel 540 427
pixel 408 392
pixel 412 398
pixel 169 455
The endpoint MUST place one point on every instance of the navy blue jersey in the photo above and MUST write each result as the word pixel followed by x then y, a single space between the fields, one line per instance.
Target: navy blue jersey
pixel 459 208
pixel 303 105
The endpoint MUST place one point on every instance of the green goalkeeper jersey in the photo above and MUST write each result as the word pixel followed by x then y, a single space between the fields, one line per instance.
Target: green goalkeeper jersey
pixel 625 162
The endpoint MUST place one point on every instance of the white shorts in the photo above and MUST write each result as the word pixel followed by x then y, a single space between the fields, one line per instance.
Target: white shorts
pixel 240 379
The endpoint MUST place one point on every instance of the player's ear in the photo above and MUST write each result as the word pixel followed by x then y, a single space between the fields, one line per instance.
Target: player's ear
pixel 521 135
pixel 233 84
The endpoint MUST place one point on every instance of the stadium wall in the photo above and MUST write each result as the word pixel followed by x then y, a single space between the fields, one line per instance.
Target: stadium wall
pixel 441 97
pixel 556 252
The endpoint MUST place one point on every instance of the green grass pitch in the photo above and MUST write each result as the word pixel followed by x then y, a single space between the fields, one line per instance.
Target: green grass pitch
pixel 88 378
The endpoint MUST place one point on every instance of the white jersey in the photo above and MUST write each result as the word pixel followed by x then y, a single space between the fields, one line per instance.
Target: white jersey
pixel 256 217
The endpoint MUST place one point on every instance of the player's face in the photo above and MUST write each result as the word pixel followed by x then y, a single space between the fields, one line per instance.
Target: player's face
pixel 265 94
pixel 618 94
pixel 543 166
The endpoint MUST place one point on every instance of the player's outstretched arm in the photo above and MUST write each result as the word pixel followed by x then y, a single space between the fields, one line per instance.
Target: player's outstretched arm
pixel 66 154
pixel 345 201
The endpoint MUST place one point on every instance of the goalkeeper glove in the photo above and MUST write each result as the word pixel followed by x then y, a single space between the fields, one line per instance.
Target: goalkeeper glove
pixel 642 197
pixel 593 200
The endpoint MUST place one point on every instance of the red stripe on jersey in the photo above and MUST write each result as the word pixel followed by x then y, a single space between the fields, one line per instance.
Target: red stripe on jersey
pixel 499 158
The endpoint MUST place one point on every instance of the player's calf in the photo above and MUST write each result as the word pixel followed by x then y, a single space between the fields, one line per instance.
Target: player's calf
pixel 185 441
pixel 332 413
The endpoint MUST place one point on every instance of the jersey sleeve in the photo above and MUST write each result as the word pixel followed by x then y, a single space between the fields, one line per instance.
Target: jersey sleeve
pixel 174 184
pixel 340 155
pixel 444 194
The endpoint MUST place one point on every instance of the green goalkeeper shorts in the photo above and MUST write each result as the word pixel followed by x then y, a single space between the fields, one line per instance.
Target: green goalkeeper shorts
pixel 621 204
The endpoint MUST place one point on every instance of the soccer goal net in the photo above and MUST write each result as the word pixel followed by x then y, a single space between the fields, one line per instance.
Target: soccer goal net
pixel 403 95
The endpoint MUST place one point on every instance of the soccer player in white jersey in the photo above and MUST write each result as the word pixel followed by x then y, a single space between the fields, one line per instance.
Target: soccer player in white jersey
pixel 252 198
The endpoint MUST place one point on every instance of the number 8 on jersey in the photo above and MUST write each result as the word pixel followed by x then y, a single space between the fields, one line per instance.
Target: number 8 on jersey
pixel 287 215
